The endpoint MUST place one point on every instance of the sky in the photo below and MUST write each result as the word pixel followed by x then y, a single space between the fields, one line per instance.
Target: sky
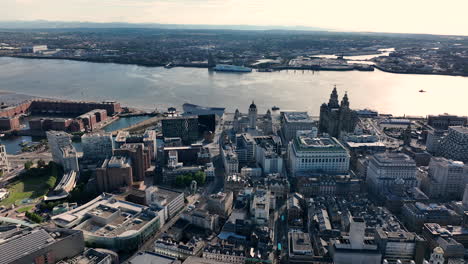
pixel 400 16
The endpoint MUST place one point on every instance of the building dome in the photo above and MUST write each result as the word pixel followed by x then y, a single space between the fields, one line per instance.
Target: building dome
pixel 438 250
pixel 252 105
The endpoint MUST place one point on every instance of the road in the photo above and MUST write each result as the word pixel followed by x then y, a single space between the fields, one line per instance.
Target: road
pixel 281 230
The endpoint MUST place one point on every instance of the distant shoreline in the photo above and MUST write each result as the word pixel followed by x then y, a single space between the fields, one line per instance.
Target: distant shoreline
pixel 421 73
pixel 153 65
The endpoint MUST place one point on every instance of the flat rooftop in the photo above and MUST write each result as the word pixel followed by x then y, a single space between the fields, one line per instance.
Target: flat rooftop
pixel 132 146
pixel 75 216
pixel 151 258
pixel 344 243
pixel 89 256
pixel 122 136
pixel 267 141
pixel 117 162
pixel 459 129
pixel 308 143
pixel 118 222
pixel 28 242
pixel 300 242
pixel 389 157
pixel 365 144
pixel 297 117
pixel 397 236
pixel 197 260
pixel 165 192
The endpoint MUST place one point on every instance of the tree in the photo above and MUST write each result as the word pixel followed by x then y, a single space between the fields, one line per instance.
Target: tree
pixel 179 181
pixel 41 163
pixel 185 180
pixel 200 177
pixel 28 164
pixel 48 206
pixel 34 217
pixel 188 179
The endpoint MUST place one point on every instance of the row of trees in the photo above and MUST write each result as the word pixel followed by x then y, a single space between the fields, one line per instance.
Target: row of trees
pixel 40 164
pixel 34 217
pixel 185 180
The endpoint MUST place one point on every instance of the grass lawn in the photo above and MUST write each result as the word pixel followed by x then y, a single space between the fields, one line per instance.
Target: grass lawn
pixel 25 209
pixel 33 184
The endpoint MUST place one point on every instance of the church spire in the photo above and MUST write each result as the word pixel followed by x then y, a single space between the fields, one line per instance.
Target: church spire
pixel 333 102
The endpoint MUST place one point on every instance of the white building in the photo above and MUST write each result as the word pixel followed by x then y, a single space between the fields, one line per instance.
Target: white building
pixel 121 138
pixel 446 178
pixel 291 122
pixel 267 149
pixel 4 193
pixel 97 146
pixel 58 140
pixel 34 49
pixel 385 168
pixel 4 164
pixel 220 203
pixel 111 223
pixel 307 153
pixel 69 159
pixel 202 218
pixel 230 160
pixel 270 161
pixel 173 159
pixel 260 207
pixel 433 139
pixel 168 200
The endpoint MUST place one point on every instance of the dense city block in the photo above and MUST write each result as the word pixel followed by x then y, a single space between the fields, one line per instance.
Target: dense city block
pixel 208 185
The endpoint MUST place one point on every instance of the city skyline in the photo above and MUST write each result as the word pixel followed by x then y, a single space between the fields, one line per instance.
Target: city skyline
pixel 398 16
pixel 233 131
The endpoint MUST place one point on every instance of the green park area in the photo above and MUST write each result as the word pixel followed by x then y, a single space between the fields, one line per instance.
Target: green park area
pixel 185 180
pixel 31 184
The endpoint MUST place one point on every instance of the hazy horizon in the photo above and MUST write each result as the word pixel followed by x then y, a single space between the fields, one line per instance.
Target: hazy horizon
pixel 398 16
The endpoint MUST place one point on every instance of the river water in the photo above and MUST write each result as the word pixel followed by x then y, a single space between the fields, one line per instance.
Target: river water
pixel 156 87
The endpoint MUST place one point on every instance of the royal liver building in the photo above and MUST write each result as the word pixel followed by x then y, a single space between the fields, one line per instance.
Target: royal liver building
pixel 335 117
